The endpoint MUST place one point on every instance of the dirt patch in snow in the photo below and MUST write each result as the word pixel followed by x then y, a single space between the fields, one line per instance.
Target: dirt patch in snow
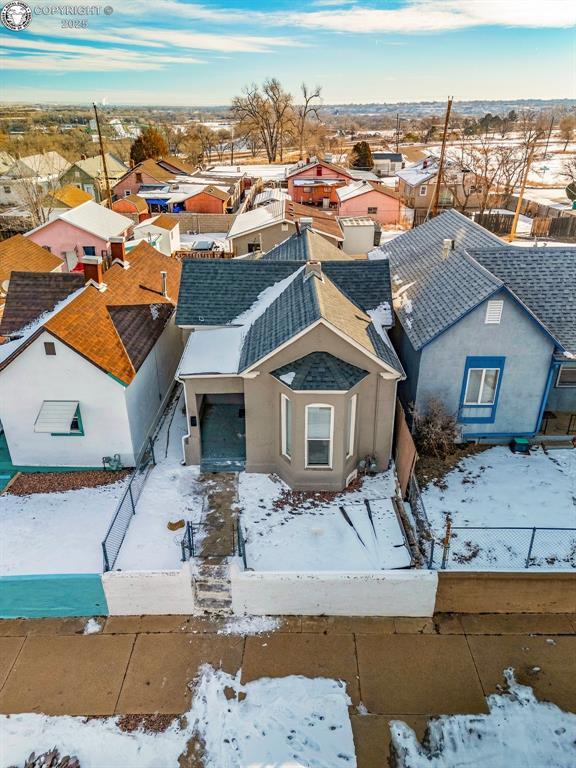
pixel 433 470
pixel 294 500
pixel 145 723
pixel 28 483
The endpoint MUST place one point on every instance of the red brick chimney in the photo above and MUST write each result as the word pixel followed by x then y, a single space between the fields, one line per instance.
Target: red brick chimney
pixel 117 249
pixel 93 269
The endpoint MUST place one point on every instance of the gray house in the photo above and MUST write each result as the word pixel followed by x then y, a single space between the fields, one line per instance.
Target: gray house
pixel 488 328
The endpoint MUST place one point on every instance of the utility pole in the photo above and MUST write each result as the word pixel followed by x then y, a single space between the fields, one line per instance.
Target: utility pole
pixel 512 234
pixel 436 197
pixel 103 156
pixel 397 131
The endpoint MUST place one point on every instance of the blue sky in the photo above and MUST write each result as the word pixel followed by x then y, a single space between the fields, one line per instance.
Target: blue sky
pixel 183 53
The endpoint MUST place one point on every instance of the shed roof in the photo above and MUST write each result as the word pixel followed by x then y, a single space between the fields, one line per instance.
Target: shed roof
pixel 19 253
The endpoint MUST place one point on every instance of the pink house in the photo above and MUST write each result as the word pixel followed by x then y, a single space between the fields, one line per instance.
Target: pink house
pixel 316 183
pixel 82 231
pixel 368 198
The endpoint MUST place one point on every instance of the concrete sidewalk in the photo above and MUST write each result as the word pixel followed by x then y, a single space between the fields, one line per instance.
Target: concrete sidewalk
pixel 408 669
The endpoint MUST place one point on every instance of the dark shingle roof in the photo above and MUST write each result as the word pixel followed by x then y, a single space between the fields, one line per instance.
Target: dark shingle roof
pixel 31 294
pixel 319 371
pixel 434 292
pixel 305 246
pixel 139 327
pixel 544 279
pixel 214 292
pixel 395 157
pixel 366 283
pixel 295 309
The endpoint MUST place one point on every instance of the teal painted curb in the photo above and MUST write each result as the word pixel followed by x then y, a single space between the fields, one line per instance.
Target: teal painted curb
pixel 52 595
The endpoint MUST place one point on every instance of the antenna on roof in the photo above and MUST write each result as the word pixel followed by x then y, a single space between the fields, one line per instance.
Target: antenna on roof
pixel 104 168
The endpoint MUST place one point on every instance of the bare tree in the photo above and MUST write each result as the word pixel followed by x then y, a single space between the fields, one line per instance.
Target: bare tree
pixel 305 111
pixel 567 128
pixel 222 143
pixel 269 108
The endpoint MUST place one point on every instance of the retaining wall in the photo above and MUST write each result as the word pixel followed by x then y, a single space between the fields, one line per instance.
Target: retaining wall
pixel 42 595
pixel 514 592
pixel 149 592
pixel 377 593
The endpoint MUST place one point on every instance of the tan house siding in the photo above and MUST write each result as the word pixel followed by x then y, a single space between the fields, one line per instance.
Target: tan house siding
pixel 374 415
pixel 269 237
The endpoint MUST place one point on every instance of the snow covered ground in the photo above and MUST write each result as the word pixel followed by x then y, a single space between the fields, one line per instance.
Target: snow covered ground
pixel 312 535
pixel 290 722
pixel 518 731
pixel 171 493
pixel 498 488
pixel 56 532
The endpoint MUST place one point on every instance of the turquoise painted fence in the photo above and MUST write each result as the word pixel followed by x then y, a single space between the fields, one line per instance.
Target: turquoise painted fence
pixel 67 594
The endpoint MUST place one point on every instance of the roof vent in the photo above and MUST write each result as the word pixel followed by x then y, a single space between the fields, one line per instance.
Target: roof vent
pixel 447 246
pixel 313 269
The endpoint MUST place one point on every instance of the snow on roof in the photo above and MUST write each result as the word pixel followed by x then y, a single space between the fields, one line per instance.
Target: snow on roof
pixel 95 219
pixel 269 195
pixel 218 350
pixel 11 347
pixel 264 216
pixel 273 172
pixel 419 172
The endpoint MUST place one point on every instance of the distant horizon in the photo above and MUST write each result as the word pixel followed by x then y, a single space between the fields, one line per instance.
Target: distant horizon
pixel 182 52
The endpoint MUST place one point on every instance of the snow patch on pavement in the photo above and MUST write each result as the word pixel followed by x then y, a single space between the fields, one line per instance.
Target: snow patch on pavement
pixel 518 731
pixel 92 627
pixel 250 625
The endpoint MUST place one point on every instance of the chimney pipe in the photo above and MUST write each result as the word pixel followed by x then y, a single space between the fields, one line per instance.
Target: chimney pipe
pixel 447 246
pixel 118 249
pixel 93 269
pixel 164 283
pixel 313 269
pixel 306 222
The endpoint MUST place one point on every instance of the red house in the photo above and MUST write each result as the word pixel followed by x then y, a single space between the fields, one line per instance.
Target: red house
pixel 316 183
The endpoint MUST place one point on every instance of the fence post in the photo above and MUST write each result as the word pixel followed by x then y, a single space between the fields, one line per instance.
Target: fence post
pixel 152 451
pixel 446 543
pixel 131 497
pixel 105 554
pixel 431 558
pixel 530 547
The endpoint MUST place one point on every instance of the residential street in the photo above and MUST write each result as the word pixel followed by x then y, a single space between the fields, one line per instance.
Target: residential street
pixel 407 669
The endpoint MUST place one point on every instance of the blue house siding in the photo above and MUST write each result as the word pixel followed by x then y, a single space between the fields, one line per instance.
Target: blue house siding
pixel 562 398
pixel 517 338
pixel 410 360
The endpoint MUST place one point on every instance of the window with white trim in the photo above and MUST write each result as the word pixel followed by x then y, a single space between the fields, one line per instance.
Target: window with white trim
pixel 494 312
pixel 423 190
pixel 286 426
pixel 319 435
pixel 566 376
pixel 481 386
pixel 351 426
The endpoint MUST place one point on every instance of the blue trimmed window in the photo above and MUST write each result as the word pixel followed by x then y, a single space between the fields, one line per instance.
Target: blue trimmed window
pixel 480 390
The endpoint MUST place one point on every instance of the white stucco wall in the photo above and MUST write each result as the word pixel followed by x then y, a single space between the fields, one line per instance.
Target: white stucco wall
pixel 131 593
pixel 33 377
pixel 146 395
pixel 378 593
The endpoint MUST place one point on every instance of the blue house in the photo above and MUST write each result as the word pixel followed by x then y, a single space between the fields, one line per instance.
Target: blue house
pixel 487 328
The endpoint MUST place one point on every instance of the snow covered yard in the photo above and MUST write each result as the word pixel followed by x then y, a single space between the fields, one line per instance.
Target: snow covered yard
pixel 171 492
pixel 498 488
pixel 56 532
pixel 288 531
pixel 518 731
pixel 290 722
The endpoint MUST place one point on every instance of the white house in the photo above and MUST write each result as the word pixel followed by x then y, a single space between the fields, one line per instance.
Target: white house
pixel 36 172
pixel 164 230
pixel 89 377
pixel 387 163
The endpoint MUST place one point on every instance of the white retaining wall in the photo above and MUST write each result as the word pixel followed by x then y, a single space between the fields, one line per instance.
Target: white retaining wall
pixel 132 593
pixel 371 593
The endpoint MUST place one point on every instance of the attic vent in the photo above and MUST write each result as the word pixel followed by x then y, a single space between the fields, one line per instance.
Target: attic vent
pixel 494 312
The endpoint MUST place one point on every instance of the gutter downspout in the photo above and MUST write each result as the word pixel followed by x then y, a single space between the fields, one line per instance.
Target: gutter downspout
pixel 551 375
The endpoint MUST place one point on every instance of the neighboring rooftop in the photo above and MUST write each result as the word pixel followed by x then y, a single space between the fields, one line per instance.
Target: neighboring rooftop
pixel 285 211
pixel 93 166
pixel 32 294
pixel 162 221
pixel 358 188
pixel 95 219
pixel 44 165
pixel 18 253
pixel 420 172
pixel 68 196
pixel 393 157
pixel 305 245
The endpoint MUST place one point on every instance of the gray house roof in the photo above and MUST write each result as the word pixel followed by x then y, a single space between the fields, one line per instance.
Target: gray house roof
pixel 232 294
pixel 433 292
pixel 394 157
pixel 319 371
pixel 544 279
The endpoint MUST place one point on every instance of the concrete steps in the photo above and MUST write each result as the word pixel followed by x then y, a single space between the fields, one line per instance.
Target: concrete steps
pixel 213 589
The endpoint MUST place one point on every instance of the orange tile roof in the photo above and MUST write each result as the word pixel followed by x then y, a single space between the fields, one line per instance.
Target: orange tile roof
pixel 85 323
pixel 71 196
pixel 19 254
pixel 164 221
pixel 138 202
